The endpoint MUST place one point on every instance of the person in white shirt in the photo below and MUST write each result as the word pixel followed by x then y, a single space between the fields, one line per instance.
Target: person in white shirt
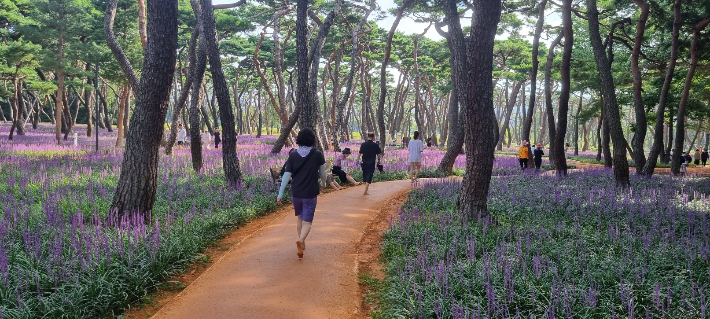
pixel 416 147
pixel 182 134
pixel 206 138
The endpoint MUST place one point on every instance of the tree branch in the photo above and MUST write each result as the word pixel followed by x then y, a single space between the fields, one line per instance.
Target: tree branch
pixel 229 5
pixel 116 48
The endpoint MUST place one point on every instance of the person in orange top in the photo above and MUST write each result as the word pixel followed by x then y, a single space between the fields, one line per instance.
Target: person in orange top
pixel 523 154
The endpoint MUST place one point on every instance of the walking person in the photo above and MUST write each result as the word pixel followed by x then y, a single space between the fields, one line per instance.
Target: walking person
pixel 416 147
pixel 369 151
pixel 684 161
pixel 523 155
pixel 217 139
pixel 696 156
pixel 182 135
pixel 304 167
pixel 538 153
pixel 206 138
pixel 704 156
pixel 340 167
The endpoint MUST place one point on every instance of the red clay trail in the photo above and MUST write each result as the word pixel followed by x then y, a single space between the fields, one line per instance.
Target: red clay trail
pixel 263 278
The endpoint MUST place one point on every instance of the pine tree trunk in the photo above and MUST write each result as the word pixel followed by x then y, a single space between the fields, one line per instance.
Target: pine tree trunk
pixel 121 112
pixel 472 73
pixel 230 162
pixel 612 117
pixel 509 112
pixel 527 122
pixel 137 183
pixel 680 117
pixel 639 110
pixel 548 98
pixel 563 106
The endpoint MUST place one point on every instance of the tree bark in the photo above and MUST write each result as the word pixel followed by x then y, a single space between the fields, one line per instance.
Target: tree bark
pixel 191 76
pixel 118 52
pixel 230 162
pixel 137 183
pixel 60 86
pixel 563 107
pixel 308 118
pixel 527 123
pixel 141 23
pixel 339 122
pixel 472 73
pixel 548 97
pixel 121 111
pixel 680 117
pixel 612 117
pixel 509 112
pixel 639 110
pixel 383 75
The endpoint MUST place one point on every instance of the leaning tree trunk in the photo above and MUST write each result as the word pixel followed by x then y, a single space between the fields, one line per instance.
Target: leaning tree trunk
pixel 509 112
pixel 563 108
pixel 472 73
pixel 680 118
pixel 137 183
pixel 191 76
pixel 548 97
pixel 639 110
pixel 527 122
pixel 612 117
pixel 230 162
pixel 383 75
pixel 314 67
pixel 456 135
pixel 121 112
pixel 340 112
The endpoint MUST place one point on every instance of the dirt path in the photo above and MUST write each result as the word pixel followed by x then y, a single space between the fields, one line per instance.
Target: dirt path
pixel 263 278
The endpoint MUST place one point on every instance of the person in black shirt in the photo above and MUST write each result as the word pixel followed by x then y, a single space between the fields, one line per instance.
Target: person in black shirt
pixel 217 139
pixel 304 166
pixel 538 153
pixel 369 151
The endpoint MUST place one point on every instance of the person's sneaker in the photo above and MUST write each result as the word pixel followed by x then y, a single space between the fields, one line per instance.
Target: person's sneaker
pixel 299 245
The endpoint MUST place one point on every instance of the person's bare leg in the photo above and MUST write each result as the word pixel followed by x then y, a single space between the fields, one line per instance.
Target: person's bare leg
pixel 301 243
pixel 352 180
pixel 419 168
pixel 411 172
pixel 367 185
pixel 299 225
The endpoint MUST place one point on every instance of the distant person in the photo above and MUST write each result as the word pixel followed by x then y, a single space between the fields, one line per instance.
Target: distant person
pixel 523 154
pixel 416 147
pixel 697 157
pixel 428 142
pixel 404 142
pixel 182 135
pixel 217 139
pixel 538 153
pixel 704 157
pixel 340 167
pixel 369 151
pixel 206 137
pixel 566 147
pixel 304 166
pixel 684 162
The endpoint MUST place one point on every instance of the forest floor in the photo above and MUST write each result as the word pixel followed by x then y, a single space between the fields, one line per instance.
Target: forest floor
pixel 256 273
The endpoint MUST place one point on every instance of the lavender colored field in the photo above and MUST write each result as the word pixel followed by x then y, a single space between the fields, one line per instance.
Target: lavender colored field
pixel 574 247
pixel 62 254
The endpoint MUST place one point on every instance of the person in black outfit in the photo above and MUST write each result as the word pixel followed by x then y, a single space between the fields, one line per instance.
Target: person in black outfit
pixel 217 139
pixel 704 157
pixel 305 165
pixel 538 153
pixel 369 151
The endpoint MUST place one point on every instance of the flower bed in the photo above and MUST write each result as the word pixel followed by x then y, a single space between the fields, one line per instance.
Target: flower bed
pixel 570 247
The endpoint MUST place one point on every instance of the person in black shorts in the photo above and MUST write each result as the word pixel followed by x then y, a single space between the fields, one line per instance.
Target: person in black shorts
pixel 369 151
pixel 304 167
